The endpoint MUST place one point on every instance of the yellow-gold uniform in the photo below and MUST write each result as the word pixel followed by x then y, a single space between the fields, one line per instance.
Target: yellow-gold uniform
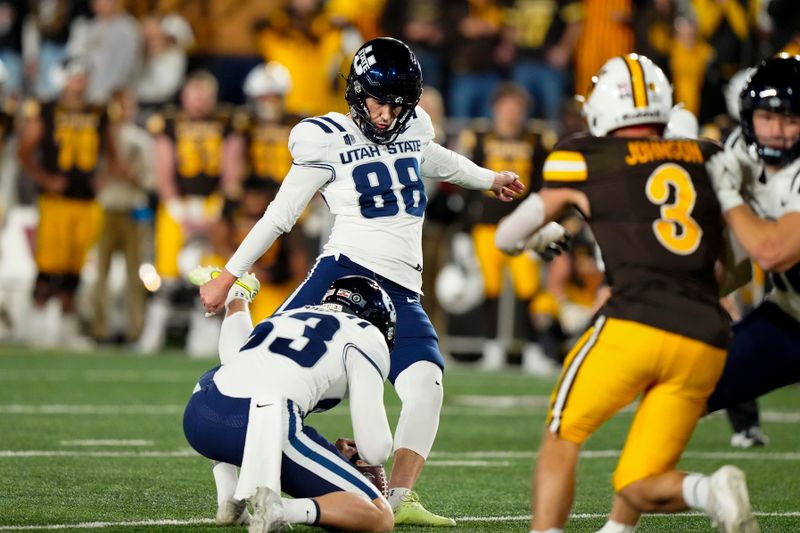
pixel 266 144
pixel 523 155
pixel 662 334
pixel 198 144
pixel 72 143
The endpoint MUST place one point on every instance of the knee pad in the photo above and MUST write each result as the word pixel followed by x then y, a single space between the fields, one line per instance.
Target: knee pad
pixel 420 389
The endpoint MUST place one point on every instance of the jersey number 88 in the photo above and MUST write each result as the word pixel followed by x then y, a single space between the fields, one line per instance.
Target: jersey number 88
pixel 374 182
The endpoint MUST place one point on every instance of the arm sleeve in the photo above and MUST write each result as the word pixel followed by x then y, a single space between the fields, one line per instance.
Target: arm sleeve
pixel 514 230
pixel 309 172
pixel 296 191
pixel 370 425
pixel 443 164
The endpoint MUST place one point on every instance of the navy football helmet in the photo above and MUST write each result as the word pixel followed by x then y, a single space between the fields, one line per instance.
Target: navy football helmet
pixel 366 299
pixel 774 86
pixel 388 71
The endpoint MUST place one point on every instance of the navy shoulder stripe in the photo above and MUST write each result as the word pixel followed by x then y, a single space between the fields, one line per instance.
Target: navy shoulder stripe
pixel 368 358
pixel 322 125
pixel 333 123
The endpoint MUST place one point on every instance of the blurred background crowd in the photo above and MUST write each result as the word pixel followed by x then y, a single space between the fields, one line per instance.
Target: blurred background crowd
pixel 144 137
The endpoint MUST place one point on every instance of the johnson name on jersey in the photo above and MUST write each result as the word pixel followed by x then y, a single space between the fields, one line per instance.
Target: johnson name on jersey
pixel 375 192
pixel 771 195
pixel 302 355
pixel 657 221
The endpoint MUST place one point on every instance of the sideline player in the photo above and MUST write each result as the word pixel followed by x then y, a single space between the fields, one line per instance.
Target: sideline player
pixel 250 411
pixel 662 334
pixel 369 165
pixel 62 146
pixel 761 202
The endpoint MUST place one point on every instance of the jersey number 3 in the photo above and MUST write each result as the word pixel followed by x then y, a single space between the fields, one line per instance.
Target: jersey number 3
pixel 676 230
pixel 374 182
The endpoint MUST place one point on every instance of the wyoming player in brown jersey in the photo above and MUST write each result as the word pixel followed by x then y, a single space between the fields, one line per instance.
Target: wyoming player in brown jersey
pixel 262 128
pixel 62 144
pixel 194 165
pixel 195 169
pixel 506 145
pixel 662 334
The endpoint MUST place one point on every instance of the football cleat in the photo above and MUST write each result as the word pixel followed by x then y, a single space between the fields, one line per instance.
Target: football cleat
pixel 410 512
pixel 268 514
pixel 232 513
pixel 729 503
pixel 752 436
pixel 246 286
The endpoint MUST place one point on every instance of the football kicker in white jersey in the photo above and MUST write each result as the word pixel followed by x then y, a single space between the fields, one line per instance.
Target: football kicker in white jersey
pixel 368 167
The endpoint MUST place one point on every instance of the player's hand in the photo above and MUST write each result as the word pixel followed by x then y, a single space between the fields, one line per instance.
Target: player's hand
pixel 347 447
pixel 213 293
pixel 551 240
pixel 506 186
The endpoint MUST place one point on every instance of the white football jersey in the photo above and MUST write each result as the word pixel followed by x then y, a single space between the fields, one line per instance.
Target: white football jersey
pixel 771 196
pixel 376 193
pixel 303 355
pixel 377 196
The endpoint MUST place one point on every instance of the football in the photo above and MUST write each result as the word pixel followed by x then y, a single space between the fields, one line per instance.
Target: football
pixel 375 473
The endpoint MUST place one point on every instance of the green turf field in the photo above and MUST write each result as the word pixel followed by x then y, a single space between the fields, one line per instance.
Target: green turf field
pixel 98 439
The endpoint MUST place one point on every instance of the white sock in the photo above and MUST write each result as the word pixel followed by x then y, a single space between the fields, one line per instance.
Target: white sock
pixel 612 526
pixel 233 333
pixel 396 495
pixel 695 491
pixel 301 510
pixel 237 292
pixel 551 530
pixel 226 478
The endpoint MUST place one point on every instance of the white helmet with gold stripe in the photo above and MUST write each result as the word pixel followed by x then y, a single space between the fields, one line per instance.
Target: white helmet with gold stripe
pixel 627 91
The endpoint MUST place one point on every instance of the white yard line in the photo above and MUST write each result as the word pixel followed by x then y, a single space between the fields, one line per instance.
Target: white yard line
pixel 201 521
pixel 187 452
pixel 438 458
pixel 527 406
pixel 106 442
pixel 100 525
pixel 610 454
pixel 95 375
pixel 455 462
pixel 71 409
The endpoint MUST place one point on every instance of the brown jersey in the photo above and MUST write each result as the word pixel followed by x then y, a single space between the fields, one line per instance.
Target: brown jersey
pixel 656 219
pixel 523 155
pixel 198 148
pixel 266 145
pixel 72 143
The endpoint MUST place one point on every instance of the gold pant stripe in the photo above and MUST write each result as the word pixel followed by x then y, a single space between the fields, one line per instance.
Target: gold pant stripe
pixel 569 374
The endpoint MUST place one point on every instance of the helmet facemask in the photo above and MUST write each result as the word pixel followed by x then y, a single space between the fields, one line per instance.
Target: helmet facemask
pixel 384 69
pixel 772 87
